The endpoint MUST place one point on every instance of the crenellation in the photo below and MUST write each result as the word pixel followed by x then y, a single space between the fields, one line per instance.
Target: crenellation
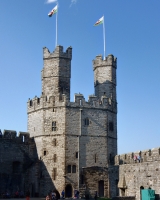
pixel 149 155
pixel 9 134
pixel 58 52
pixel 110 60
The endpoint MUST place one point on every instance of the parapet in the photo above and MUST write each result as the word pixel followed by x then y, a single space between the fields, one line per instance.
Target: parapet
pixel 110 60
pixel 38 103
pixel 12 135
pixel 9 134
pixel 58 52
pixel 149 155
pixel 93 102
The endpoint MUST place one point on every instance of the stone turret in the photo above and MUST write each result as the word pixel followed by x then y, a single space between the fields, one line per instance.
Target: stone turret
pixel 56 73
pixel 105 76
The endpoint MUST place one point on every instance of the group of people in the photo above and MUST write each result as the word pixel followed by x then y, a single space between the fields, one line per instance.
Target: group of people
pixel 137 158
pixel 53 196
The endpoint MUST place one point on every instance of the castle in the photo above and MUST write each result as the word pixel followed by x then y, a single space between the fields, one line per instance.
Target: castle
pixel 73 145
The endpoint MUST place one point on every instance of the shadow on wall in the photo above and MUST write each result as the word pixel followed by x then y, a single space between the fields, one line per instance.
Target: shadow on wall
pixel 20 168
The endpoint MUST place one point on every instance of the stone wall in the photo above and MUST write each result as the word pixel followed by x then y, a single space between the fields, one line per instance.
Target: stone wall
pixel 17 155
pixel 135 175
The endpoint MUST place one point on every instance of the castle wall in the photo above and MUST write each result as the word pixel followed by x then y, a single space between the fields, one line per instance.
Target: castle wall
pixel 17 154
pixel 136 174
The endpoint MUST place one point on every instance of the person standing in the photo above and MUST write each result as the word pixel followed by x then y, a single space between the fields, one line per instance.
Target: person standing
pixel 63 193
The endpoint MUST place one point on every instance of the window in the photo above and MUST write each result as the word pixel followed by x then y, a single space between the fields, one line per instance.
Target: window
pixel 86 122
pixel 76 154
pixel 31 103
pixel 95 158
pixel 44 153
pixel 16 166
pixel 53 110
pixel 69 169
pixel 111 126
pixel 82 179
pixel 55 142
pixel 38 100
pixel 46 98
pixel 74 169
pixel 55 157
pixel 53 126
pixel 54 173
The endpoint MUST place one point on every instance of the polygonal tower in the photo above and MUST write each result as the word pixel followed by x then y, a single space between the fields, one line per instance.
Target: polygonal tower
pixel 105 85
pixel 76 141
pixel 46 119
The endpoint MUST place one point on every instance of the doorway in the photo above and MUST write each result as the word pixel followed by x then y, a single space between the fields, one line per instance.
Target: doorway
pixel 101 188
pixel 68 191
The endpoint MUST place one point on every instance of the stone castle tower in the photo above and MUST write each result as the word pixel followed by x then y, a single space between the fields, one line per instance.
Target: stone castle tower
pixel 74 139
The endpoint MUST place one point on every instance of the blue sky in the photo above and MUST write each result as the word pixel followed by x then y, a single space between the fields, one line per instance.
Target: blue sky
pixel 132 35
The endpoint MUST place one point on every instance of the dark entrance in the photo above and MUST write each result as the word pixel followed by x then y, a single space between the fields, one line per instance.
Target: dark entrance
pixel 68 191
pixel 101 188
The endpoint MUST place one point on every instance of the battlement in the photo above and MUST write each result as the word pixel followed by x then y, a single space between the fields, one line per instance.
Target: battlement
pixel 149 155
pixel 110 60
pixel 12 135
pixel 38 103
pixel 93 102
pixel 58 52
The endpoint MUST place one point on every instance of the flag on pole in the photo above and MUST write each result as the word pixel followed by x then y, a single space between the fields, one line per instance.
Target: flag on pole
pixel 53 11
pixel 100 21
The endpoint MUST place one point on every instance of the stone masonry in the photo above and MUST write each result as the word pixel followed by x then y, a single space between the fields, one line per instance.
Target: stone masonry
pixel 73 145
pixel 70 136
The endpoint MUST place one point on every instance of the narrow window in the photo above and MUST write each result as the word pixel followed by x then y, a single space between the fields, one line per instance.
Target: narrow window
pixel 74 169
pixel 30 103
pixel 55 142
pixel 53 126
pixel 149 152
pixel 44 153
pixel 95 158
pixel 23 138
pixel 55 158
pixel 76 154
pixel 53 110
pixel 69 169
pixel 46 98
pixel 54 173
pixel 86 122
pixel 38 100
pixel 111 126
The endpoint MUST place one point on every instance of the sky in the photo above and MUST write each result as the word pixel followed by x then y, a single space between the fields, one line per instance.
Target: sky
pixel 132 35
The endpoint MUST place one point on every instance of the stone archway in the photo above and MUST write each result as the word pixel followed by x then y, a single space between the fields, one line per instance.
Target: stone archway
pixel 68 190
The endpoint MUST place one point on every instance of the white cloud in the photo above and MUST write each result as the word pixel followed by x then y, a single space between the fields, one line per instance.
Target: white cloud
pixel 73 2
pixel 51 1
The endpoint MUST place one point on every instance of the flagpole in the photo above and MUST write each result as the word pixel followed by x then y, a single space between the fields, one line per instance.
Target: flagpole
pixel 56 25
pixel 104 39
